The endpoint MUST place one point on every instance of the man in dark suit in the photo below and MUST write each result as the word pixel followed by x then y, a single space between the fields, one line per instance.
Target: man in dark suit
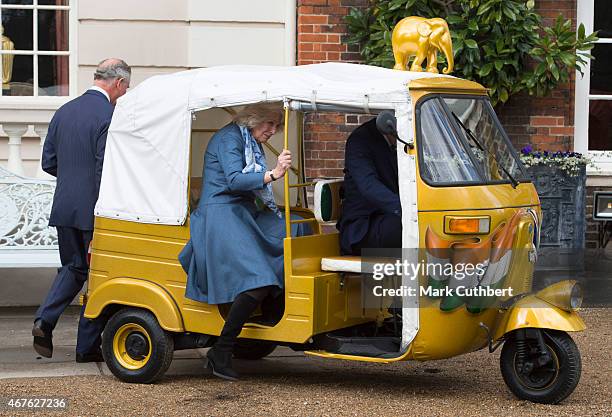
pixel 371 211
pixel 73 152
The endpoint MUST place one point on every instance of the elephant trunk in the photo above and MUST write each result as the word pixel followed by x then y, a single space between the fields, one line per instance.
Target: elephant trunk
pixel 447 48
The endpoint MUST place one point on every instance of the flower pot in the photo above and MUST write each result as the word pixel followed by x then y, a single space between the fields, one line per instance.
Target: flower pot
pixel 562 237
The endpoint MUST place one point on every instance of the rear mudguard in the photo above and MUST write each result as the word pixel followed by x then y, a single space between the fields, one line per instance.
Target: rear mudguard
pixel 532 312
pixel 138 293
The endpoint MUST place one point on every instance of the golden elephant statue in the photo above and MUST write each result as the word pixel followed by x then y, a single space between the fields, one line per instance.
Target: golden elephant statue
pixel 422 38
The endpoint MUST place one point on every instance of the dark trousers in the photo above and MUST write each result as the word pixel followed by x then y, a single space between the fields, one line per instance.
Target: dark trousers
pixel 73 245
pixel 385 231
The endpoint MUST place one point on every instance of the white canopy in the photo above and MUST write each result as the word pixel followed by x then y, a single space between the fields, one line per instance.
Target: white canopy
pixel 146 164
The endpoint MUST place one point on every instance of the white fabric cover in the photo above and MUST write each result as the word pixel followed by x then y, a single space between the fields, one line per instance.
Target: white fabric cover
pixel 406 168
pixel 147 151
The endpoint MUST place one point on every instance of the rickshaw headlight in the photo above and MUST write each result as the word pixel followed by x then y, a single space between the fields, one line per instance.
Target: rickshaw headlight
pixel 566 295
pixel 576 297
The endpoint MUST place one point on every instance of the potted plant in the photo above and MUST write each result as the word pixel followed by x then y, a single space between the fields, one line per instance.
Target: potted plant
pixel 560 179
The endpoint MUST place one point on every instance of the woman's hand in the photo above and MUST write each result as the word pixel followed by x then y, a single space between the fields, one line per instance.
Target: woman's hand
pixel 282 164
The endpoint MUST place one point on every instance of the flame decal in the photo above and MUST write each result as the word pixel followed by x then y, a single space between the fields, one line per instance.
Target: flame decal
pixel 494 252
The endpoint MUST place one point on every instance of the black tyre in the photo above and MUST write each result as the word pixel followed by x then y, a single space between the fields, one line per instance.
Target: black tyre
pixel 253 349
pixel 135 347
pixel 549 383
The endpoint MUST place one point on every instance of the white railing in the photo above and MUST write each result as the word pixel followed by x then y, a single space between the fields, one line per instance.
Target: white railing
pixel 26 240
pixel 15 133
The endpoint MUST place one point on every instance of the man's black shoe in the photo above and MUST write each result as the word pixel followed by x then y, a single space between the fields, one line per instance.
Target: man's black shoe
pixel 95 356
pixel 43 338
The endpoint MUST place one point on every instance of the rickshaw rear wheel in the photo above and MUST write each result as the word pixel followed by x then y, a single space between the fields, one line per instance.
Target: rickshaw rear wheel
pixel 135 347
pixel 253 349
pixel 545 383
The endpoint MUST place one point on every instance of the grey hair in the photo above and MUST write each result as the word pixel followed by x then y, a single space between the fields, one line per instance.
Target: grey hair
pixel 255 114
pixel 112 68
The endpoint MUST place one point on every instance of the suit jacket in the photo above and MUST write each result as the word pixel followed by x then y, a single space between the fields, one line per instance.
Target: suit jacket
pixel 74 152
pixel 370 183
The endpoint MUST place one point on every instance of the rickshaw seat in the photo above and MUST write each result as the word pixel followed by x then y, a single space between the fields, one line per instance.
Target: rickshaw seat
pixel 342 264
pixel 327 198
pixel 353 264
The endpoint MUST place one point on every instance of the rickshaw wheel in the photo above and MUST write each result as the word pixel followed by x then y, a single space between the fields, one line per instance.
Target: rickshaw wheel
pixel 548 383
pixel 253 349
pixel 135 347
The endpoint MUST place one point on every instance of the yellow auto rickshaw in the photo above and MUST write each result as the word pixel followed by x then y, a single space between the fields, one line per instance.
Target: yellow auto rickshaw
pixel 462 186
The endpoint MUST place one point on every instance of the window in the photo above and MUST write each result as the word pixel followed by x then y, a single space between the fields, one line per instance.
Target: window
pixel 462 143
pixel 35 52
pixel 593 132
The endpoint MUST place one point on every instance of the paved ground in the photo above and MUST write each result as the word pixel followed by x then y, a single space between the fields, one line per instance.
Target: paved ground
pixel 288 383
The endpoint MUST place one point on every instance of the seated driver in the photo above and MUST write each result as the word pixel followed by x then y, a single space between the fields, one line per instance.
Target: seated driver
pixel 371 210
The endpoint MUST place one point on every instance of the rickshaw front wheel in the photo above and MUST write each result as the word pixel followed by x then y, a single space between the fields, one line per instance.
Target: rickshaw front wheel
pixel 253 349
pixel 545 379
pixel 135 347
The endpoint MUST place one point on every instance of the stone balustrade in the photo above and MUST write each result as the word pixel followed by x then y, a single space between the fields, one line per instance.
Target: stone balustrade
pixel 26 240
pixel 15 133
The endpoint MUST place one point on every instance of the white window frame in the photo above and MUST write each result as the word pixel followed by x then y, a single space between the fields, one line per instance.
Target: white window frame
pixel 602 159
pixel 71 8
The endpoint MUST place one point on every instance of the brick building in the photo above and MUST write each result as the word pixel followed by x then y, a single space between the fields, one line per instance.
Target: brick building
pixel 557 122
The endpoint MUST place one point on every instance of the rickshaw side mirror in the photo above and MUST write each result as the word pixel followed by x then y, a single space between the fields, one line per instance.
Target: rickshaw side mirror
pixel 386 123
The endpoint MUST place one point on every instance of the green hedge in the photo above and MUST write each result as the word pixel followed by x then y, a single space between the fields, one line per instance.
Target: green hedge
pixel 498 43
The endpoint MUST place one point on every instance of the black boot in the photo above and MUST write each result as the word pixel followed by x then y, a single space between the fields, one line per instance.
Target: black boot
pixel 220 355
pixel 272 309
pixel 43 338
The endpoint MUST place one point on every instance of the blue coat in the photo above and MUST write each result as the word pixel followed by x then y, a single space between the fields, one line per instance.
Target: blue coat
pixel 234 247
pixel 370 184
pixel 73 152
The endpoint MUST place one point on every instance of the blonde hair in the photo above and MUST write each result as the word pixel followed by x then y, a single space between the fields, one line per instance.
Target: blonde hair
pixel 255 114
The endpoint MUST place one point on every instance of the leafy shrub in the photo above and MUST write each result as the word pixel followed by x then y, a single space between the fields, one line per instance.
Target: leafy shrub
pixel 498 43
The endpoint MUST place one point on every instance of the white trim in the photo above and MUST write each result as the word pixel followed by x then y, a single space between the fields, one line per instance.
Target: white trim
pixel 603 162
pixel 581 103
pixel 28 52
pixel 73 30
pixel 35 48
pixel 34 7
pixel 30 258
pixel 599 180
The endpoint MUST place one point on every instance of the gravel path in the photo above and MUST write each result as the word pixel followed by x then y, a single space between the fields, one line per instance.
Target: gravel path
pixel 466 385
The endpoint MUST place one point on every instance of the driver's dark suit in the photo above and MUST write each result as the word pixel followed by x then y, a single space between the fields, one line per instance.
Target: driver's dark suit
pixel 371 210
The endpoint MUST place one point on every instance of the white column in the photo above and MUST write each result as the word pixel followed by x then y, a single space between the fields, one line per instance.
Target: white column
pixel 15 131
pixel 41 130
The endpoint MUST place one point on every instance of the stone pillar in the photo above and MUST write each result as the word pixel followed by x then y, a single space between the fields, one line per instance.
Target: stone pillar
pixel 15 131
pixel 41 130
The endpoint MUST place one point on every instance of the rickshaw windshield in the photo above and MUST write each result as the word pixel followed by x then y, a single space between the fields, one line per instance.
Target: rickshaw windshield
pixel 461 142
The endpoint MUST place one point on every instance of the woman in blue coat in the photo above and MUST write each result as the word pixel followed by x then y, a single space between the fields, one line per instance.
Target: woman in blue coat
pixel 236 250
